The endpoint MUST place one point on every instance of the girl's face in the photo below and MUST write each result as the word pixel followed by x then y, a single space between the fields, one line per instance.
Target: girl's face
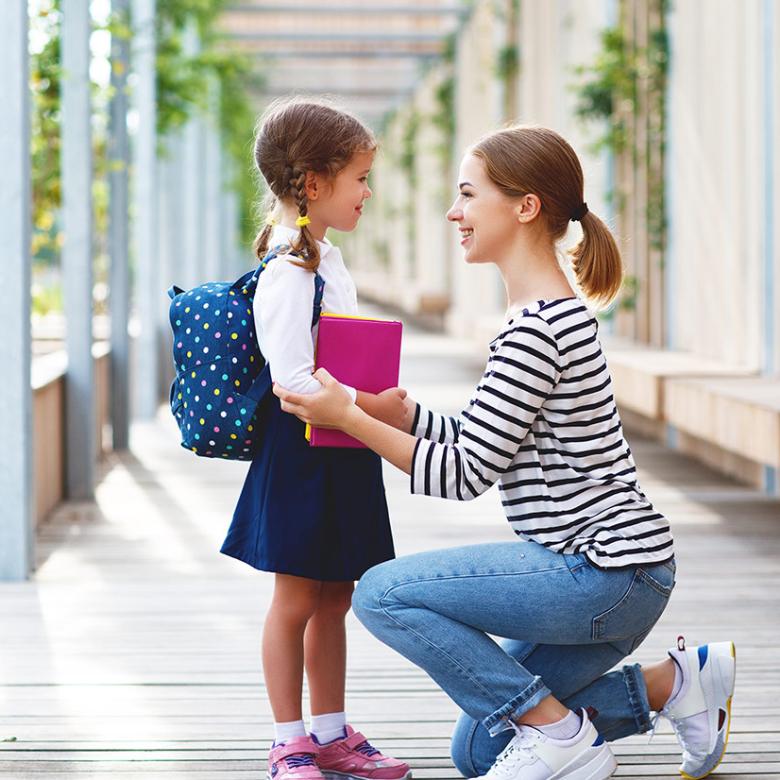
pixel 486 218
pixel 339 203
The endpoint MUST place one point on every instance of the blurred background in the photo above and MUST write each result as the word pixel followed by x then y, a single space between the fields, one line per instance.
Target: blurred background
pixel 126 149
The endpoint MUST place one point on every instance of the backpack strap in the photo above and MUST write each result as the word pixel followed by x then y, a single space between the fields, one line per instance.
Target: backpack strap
pixel 319 289
pixel 173 291
pixel 319 282
pixel 262 383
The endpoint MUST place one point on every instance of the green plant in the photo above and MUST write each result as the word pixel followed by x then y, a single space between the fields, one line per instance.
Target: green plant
pixel 608 95
pixel 45 134
pixel 407 158
pixel 608 91
pixel 443 117
pixel 507 62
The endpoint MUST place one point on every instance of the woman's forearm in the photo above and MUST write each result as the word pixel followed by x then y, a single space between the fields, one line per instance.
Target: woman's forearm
pixel 388 442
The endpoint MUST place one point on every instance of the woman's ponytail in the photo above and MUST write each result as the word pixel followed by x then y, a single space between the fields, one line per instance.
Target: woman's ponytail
pixel 596 261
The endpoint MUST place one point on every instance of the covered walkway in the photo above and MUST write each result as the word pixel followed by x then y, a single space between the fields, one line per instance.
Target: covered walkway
pixel 135 651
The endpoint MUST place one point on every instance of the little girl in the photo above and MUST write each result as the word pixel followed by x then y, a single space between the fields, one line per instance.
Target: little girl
pixel 316 517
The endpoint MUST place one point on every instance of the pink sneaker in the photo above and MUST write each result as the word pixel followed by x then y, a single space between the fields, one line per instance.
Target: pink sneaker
pixel 295 759
pixel 353 757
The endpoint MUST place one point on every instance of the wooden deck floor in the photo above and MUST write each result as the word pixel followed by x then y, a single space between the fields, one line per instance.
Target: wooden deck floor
pixel 135 650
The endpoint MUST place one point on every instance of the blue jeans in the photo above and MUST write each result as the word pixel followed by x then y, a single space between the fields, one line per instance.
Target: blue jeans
pixel 565 623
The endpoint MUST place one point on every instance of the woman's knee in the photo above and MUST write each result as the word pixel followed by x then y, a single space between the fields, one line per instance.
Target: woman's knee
pixel 367 598
pixel 472 749
pixel 460 746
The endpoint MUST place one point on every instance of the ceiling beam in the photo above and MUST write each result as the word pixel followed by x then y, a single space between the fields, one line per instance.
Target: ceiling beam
pixel 405 10
pixel 332 37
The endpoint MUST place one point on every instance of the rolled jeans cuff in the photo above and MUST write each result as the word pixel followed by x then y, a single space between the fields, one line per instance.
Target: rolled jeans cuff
pixel 637 697
pixel 527 699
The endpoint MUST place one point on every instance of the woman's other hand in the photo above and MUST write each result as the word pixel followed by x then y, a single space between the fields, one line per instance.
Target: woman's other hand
pixel 327 408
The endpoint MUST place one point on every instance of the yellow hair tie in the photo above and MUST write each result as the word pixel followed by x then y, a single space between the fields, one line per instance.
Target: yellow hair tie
pixel 302 221
pixel 271 221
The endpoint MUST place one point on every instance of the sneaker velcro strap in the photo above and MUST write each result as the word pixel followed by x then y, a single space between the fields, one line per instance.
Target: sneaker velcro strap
pixel 353 740
pixel 291 749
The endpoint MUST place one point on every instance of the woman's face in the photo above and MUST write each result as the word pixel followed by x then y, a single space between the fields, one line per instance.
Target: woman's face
pixel 486 217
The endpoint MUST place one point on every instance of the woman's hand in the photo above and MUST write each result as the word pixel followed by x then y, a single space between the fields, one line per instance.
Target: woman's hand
pixel 327 408
pixel 332 407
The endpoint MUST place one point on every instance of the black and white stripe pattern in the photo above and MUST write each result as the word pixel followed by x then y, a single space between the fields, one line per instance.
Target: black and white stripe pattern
pixel 543 424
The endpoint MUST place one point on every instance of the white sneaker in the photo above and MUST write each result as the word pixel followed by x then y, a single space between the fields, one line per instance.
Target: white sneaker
pixel 532 755
pixel 700 712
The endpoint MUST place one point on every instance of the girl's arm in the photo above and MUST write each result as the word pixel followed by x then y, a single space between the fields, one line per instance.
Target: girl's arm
pixel 522 372
pixel 283 313
pixel 283 308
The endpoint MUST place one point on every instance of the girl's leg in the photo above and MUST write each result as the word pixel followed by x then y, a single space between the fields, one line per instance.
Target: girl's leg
pixel 342 753
pixel 294 601
pixel 438 608
pixel 325 648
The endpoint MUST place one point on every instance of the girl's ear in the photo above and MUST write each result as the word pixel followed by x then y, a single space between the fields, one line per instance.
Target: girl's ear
pixel 314 185
pixel 528 208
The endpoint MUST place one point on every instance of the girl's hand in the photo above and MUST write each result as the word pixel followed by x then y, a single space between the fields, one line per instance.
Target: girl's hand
pixel 327 408
pixel 389 406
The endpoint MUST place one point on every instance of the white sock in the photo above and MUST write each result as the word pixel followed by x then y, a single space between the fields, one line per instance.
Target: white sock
pixel 285 731
pixel 565 728
pixel 329 726
pixel 678 681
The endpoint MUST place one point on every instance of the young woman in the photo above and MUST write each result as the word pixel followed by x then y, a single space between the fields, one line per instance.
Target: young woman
pixel 594 566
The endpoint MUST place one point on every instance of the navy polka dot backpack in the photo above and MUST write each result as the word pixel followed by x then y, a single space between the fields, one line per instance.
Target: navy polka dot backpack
pixel 222 379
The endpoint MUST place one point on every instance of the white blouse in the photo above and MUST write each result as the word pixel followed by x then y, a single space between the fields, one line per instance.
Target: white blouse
pixel 283 311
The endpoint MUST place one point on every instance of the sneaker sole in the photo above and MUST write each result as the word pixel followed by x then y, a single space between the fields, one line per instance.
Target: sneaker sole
pixel 331 775
pixel 599 767
pixel 722 675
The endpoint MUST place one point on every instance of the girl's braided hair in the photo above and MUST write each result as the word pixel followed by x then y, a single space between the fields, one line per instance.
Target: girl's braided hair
pixel 295 136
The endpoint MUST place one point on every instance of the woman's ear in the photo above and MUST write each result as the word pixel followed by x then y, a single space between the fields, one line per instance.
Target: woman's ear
pixel 528 208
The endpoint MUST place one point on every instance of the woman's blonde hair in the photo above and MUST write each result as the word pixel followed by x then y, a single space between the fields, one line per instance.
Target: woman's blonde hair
pixel 526 159
pixel 295 136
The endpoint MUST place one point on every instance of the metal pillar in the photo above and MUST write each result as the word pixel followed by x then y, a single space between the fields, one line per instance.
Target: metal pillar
pixel 119 158
pixel 147 287
pixel 16 461
pixel 214 262
pixel 80 451
pixel 193 185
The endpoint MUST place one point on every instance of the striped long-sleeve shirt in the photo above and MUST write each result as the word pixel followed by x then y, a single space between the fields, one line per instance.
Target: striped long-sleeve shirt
pixel 543 424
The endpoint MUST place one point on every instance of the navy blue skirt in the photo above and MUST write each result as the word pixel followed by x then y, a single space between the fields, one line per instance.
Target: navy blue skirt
pixel 312 512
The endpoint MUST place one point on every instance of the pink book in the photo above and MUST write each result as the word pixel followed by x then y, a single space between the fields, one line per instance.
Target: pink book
pixel 360 352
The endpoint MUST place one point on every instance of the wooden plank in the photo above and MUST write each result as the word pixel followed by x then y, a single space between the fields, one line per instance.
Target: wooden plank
pixel 135 652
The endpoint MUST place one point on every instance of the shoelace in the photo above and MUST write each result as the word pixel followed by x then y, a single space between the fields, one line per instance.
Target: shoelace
pixel 518 752
pixel 367 749
pixel 679 728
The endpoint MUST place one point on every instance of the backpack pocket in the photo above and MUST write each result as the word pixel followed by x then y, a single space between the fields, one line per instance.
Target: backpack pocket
pixel 216 420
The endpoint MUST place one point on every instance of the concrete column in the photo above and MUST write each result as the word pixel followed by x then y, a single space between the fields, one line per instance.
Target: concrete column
pixel 16 462
pixel 80 452
pixel 119 158
pixel 214 260
pixel 147 286
pixel 192 186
